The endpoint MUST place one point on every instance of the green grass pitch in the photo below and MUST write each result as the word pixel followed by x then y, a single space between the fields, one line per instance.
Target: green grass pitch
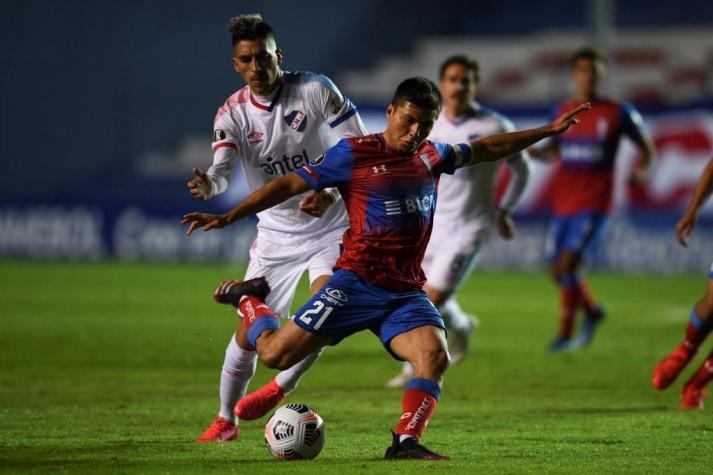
pixel 113 367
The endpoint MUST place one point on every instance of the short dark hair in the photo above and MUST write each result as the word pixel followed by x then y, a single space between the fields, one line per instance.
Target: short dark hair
pixel 588 52
pixel 419 91
pixel 468 62
pixel 249 27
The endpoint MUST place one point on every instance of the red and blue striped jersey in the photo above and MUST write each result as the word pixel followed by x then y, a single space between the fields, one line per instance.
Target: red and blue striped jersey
pixel 390 198
pixel 585 176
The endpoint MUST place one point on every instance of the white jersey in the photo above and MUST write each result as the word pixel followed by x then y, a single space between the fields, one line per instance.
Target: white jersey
pixel 273 136
pixel 466 198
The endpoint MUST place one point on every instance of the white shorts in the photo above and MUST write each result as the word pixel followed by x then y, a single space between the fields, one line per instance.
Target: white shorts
pixel 448 261
pixel 283 266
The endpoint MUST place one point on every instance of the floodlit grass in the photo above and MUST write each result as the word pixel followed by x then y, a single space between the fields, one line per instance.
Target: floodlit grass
pixel 113 367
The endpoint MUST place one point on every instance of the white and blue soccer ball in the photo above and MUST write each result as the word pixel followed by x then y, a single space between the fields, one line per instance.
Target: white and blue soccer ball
pixel 294 432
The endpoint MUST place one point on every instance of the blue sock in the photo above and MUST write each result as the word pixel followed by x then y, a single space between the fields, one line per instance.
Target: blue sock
pixel 425 385
pixel 695 321
pixel 261 325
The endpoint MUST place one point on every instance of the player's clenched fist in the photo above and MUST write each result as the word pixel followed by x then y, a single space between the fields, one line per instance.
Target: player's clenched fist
pixel 200 186
pixel 315 204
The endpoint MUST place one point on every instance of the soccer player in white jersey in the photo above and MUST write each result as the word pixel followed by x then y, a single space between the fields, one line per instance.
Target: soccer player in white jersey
pixel 466 210
pixel 279 122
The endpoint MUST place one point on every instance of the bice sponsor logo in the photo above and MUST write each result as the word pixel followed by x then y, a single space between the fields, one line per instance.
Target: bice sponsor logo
pixel 421 204
pixel 286 164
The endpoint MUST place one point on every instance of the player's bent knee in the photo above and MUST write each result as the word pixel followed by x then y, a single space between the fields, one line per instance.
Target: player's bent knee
pixel 443 361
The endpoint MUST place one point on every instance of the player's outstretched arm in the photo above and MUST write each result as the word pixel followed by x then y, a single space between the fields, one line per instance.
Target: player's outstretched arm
pixel 275 192
pixel 703 191
pixel 499 146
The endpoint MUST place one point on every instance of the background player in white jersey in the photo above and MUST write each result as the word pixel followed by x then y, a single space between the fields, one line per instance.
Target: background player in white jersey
pixel 466 209
pixel 279 122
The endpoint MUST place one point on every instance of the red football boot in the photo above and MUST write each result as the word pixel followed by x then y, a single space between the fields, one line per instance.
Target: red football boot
pixel 259 402
pixel 670 367
pixel 220 430
pixel 692 397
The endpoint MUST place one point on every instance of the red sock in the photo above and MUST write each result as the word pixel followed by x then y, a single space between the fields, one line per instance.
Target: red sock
pixel 569 297
pixel 703 374
pixel 257 318
pixel 694 336
pixel 417 406
pixel 585 297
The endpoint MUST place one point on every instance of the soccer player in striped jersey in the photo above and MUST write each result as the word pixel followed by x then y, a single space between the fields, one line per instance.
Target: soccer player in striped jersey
pixel 701 319
pixel 389 184
pixel 279 122
pixel 582 191
pixel 467 209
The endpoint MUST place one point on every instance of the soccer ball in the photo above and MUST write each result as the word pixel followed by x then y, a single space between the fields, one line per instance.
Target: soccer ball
pixel 294 432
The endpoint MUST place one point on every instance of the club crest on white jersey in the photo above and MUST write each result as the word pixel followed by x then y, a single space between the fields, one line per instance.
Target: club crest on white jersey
pixel 276 135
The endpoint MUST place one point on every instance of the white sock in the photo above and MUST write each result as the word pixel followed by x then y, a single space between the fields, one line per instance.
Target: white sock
pixel 289 378
pixel 238 368
pixel 403 437
pixel 408 369
pixel 453 316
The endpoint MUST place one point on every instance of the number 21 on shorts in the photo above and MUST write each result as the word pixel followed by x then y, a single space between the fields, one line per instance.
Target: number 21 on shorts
pixel 319 311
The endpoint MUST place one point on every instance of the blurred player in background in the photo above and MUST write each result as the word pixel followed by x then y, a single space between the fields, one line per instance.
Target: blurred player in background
pixel 389 183
pixel 466 210
pixel 582 190
pixel 277 123
pixel 701 320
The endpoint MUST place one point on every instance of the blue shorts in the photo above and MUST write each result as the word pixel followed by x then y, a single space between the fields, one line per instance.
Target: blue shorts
pixel 581 233
pixel 349 304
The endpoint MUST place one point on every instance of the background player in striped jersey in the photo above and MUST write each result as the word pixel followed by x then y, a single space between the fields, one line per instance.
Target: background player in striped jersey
pixel 701 320
pixel 277 123
pixel 389 183
pixel 466 210
pixel 582 190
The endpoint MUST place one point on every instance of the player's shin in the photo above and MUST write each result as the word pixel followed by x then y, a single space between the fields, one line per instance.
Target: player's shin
pixel 417 406
pixel 569 297
pixel 238 369
pixel 696 332
pixel 703 374
pixel 585 297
